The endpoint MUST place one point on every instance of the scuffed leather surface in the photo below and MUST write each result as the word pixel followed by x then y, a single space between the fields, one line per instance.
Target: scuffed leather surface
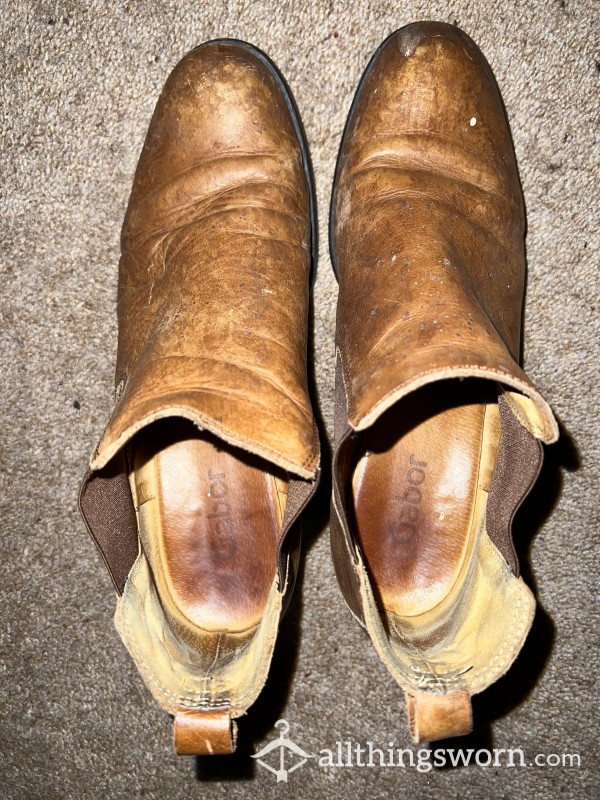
pixel 428 226
pixel 213 315
pixel 428 240
pixel 180 674
pixel 464 643
pixel 432 717
pixel 214 272
pixel 468 641
pixel 80 721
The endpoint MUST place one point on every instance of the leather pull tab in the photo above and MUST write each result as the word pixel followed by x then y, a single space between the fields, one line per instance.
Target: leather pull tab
pixel 204 732
pixel 438 716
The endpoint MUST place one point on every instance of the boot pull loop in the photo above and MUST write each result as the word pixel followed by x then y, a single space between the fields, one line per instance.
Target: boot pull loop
pixel 204 732
pixel 438 716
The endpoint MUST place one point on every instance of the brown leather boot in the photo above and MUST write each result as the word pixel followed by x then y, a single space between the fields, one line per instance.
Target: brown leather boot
pixel 212 450
pixel 438 429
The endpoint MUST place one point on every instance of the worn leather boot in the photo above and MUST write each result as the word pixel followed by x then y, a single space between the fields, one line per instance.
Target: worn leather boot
pixel 438 429
pixel 212 452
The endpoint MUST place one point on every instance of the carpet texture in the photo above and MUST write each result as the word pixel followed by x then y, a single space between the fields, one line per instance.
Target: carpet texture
pixel 79 83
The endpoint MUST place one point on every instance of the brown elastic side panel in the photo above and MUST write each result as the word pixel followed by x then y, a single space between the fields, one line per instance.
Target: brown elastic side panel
pixel 518 465
pixel 106 506
pixel 341 523
pixel 438 716
pixel 299 494
pixel 204 732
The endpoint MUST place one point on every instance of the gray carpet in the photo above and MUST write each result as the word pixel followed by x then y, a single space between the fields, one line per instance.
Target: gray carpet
pixel 79 82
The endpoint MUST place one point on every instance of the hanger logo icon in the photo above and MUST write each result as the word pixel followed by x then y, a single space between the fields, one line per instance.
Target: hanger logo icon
pixel 287 748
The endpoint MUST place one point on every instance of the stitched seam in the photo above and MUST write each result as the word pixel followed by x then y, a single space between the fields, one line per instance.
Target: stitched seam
pixel 189 699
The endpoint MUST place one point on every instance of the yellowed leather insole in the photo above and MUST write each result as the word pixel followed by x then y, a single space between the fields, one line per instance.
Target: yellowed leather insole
pixel 215 521
pixel 414 491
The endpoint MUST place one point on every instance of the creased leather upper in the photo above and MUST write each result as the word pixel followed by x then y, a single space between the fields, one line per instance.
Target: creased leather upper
pixel 214 273
pixel 428 232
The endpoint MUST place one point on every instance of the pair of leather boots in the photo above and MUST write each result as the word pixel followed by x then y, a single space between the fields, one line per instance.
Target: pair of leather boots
pixel 197 486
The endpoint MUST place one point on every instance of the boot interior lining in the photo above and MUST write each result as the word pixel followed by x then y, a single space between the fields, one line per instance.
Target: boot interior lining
pixel 210 521
pixel 415 490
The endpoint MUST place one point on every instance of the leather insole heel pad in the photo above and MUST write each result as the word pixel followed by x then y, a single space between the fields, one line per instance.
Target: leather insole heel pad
pixel 414 490
pixel 215 525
